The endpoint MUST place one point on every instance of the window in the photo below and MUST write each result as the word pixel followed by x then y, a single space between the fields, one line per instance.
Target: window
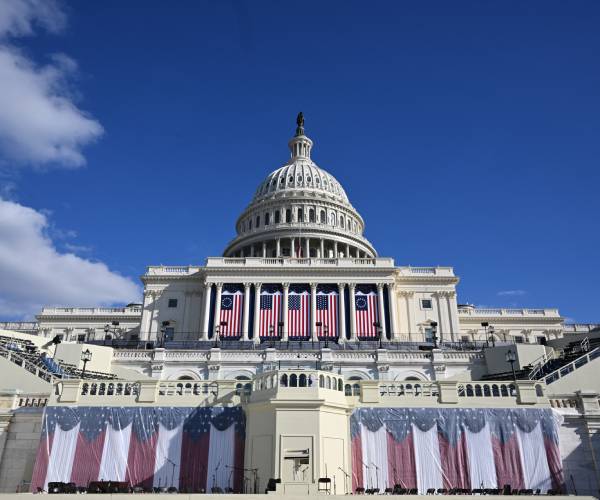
pixel 172 303
pixel 288 215
pixel 250 224
pixel 267 219
pixel 322 217
pixel 426 304
pixel 300 215
pixel 277 217
pixel 465 338
pixel 311 215
pixel 81 338
pixel 519 339
pixel 257 221
pixel 541 340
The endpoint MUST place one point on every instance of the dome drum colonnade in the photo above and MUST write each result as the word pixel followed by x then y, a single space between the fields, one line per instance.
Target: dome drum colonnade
pixel 386 312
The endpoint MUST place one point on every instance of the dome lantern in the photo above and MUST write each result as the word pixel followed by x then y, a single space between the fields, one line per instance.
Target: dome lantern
pixel 300 145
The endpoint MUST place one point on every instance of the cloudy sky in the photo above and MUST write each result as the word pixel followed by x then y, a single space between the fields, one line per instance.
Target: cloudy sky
pixel 134 133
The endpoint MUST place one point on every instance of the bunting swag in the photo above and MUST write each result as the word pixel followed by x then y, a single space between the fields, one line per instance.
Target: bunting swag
pixel 456 448
pixel 192 449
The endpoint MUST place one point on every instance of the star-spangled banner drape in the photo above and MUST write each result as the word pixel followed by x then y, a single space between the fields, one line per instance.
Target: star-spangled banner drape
pixel 298 312
pixel 271 298
pixel 456 448
pixel 327 310
pixel 192 449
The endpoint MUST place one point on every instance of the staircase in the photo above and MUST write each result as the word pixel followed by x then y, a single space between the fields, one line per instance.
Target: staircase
pixel 551 368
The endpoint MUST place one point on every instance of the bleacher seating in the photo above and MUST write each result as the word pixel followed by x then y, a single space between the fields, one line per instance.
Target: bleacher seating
pixel 27 353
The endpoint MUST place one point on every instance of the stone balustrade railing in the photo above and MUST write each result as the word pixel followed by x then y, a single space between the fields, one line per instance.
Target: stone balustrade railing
pixel 143 392
pixel 485 312
pixel 91 311
pixel 27 326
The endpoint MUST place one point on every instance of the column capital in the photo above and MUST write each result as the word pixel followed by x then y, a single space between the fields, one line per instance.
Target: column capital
pixel 352 286
pixel 257 284
pixel 208 284
pixel 341 286
pixel 247 285
pixel 380 286
pixel 219 285
pixel 285 285
pixel 313 286
pixel 405 293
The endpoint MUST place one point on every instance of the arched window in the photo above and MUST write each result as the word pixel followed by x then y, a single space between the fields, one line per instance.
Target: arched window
pixel 300 215
pixel 257 221
pixel 277 217
pixel 250 224
pixel 348 390
pixel 322 217
pixel 311 215
pixel 284 380
pixel 356 390
pixel 293 380
pixel 321 381
pixel 328 382
pixel 340 385
pixel 267 219
pixel 342 223
pixel 288 215
pixel 332 219
pixel 302 380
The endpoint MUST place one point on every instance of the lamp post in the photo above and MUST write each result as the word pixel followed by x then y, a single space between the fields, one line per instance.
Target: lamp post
pixel 434 337
pixel 86 356
pixel 511 357
pixel 218 329
pixel 378 329
pixel 485 325
pixel 491 337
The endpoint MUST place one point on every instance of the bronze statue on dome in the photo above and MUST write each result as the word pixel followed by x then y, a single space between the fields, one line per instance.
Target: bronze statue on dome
pixel 300 123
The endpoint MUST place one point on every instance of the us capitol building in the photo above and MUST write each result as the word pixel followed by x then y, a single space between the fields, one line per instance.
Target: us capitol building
pixel 300 362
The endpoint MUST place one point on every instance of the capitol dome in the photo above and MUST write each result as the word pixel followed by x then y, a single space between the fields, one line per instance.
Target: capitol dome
pixel 301 211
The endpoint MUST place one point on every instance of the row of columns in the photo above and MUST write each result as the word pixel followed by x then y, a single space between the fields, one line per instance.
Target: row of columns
pixel 313 310
pixel 261 250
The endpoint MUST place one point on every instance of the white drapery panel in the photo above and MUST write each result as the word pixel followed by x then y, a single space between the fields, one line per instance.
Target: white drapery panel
pixel 375 457
pixel 482 468
pixel 427 459
pixel 221 458
pixel 533 459
pixel 168 457
pixel 114 454
pixel 61 456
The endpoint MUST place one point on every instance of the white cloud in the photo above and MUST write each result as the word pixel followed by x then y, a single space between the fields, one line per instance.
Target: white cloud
pixel 34 273
pixel 40 125
pixel 511 293
pixel 17 17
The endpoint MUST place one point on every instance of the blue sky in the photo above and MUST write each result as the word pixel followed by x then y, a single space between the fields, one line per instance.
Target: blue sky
pixel 465 133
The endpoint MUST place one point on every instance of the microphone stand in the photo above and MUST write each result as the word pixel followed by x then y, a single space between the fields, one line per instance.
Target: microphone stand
pixel 346 477
pixel 215 475
pixel 368 474
pixel 173 471
pixel 376 475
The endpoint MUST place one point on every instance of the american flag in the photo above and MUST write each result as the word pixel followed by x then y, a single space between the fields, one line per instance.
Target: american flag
pixel 366 314
pixel 299 314
pixel 231 312
pixel 270 313
pixel 327 313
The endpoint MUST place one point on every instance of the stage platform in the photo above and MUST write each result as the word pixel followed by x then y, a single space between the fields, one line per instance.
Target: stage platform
pixel 274 496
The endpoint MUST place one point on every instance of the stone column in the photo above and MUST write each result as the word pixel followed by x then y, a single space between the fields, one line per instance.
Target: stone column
pixel 335 249
pixel 217 320
pixel 252 250
pixel 322 248
pixel 381 308
pixel 306 248
pixel 264 249
pixel 347 251
pixel 410 308
pixel 453 315
pixel 292 247
pixel 342 313
pixel 246 311
pixel 286 289
pixel 206 314
pixel 278 247
pixel 313 311
pixel 392 303
pixel 257 286
pixel 352 289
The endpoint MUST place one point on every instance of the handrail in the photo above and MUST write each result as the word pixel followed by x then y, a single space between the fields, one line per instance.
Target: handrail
pixel 572 366
pixel 539 364
pixel 19 360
